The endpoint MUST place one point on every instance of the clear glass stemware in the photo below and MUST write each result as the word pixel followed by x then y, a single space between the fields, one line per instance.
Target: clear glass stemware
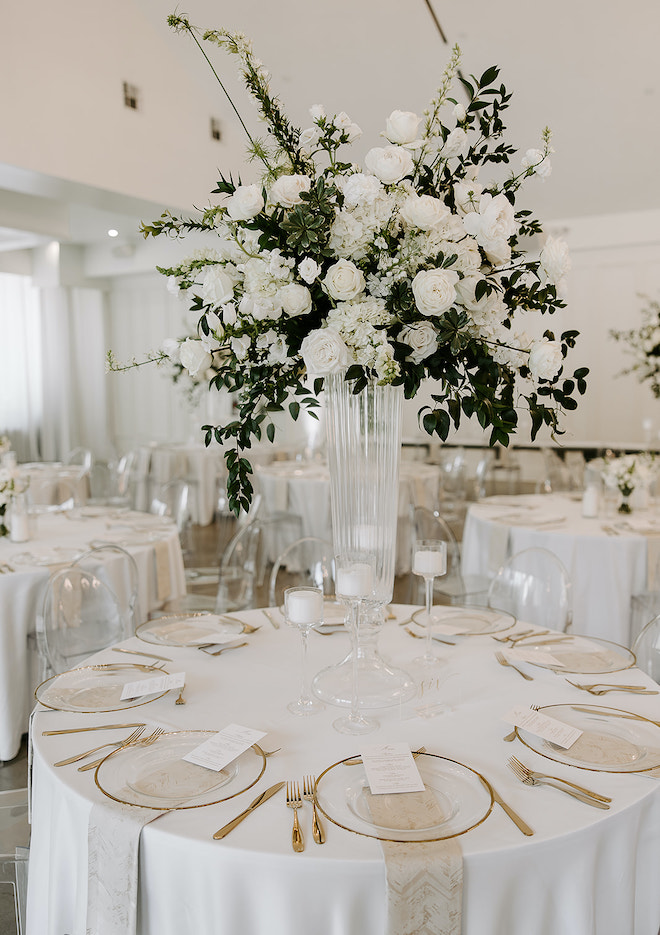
pixel 303 609
pixel 429 562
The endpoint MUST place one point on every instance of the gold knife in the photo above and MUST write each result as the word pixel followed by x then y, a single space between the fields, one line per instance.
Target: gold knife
pixel 78 730
pixel 135 652
pixel 267 614
pixel 260 799
pixel 514 816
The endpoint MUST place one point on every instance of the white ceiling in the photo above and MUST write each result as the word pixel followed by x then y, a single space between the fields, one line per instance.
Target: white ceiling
pixel 586 68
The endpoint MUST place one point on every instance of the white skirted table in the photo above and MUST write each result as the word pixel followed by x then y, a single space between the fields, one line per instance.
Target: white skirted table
pixel 608 559
pixel 58 539
pixel 584 870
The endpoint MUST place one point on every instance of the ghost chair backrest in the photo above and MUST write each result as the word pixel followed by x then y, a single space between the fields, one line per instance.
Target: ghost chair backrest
pixel 535 587
pixel 647 649
pixel 307 562
pixel 119 570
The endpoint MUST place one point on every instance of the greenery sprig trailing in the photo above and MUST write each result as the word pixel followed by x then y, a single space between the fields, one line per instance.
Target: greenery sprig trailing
pixel 644 346
pixel 406 267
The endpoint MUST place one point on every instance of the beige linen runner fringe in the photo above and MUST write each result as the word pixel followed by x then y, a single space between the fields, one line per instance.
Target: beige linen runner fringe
pixel 424 880
pixel 113 841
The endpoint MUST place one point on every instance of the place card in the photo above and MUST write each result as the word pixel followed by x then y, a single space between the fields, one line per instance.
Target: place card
pixel 548 728
pixel 160 683
pixel 223 747
pixel 537 657
pixel 390 767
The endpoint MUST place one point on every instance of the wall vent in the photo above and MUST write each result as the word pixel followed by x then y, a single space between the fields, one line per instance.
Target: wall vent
pixel 131 96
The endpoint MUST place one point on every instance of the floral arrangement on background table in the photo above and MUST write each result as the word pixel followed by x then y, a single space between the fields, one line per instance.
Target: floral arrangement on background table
pixel 644 345
pixel 6 491
pixel 405 267
pixel 628 472
pixel 5 444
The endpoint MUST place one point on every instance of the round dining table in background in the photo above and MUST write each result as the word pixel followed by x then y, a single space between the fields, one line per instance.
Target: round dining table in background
pixel 585 869
pixel 57 540
pixel 608 559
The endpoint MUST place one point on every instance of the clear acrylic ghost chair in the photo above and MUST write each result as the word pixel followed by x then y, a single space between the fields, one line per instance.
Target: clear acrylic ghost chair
pixel 647 649
pixel 452 588
pixel 80 457
pixel 81 616
pixel 52 493
pixel 125 584
pixel 534 586
pixel 173 499
pixel 14 849
pixel 307 562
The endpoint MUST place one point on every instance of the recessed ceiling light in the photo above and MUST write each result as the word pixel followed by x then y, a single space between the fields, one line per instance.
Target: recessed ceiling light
pixel 113 233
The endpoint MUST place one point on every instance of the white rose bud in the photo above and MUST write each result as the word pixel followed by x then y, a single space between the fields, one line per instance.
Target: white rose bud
pixel 344 281
pixel 286 190
pixel 246 202
pixel 401 126
pixel 545 359
pixel 317 111
pixel 309 270
pixel 422 338
pixel 459 113
pixel 434 290
pixel 555 259
pixel 424 211
pixel 536 160
pixel 295 299
pixel 217 286
pixel 323 351
pixel 240 347
pixel 172 348
pixel 389 163
pixel 194 357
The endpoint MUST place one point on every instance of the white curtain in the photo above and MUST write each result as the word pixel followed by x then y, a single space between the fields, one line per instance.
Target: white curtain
pixel 21 412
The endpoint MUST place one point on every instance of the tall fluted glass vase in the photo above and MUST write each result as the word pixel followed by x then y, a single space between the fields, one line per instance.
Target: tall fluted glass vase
pixel 363 433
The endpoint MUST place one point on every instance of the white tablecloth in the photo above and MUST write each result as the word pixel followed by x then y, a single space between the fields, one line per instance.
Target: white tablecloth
pixel 605 569
pixel 584 872
pixel 21 596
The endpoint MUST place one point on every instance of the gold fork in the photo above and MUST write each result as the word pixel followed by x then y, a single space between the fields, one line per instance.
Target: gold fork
pixel 143 742
pixel 294 801
pixel 113 743
pixel 531 778
pixel 503 661
pixel 181 699
pixel 308 793
pixel 604 688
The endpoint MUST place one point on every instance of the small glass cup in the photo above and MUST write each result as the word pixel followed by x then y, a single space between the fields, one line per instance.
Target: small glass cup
pixel 429 562
pixel 303 609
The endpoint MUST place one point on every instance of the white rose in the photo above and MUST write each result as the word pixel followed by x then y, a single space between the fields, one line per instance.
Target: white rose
pixel 434 290
pixel 344 281
pixel 401 126
pixel 172 348
pixel 454 144
pixel 246 202
pixel 323 351
pixel 309 269
pixel 295 299
pixel 194 357
pixel 555 259
pixel 217 286
pixel 467 195
pixel 389 163
pixel 424 211
pixel 286 190
pixel 422 338
pixel 343 122
pixel 240 347
pixel 491 226
pixel 545 359
pixel 536 160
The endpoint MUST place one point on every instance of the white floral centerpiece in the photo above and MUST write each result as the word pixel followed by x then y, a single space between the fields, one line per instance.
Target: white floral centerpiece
pixel 189 366
pixel 626 473
pixel 7 485
pixel 644 345
pixel 407 265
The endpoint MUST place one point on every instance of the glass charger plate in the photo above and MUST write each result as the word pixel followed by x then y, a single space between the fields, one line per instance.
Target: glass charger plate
pixel 475 621
pixel 157 776
pixel 94 512
pixel 47 557
pixel 463 796
pixel 580 654
pixel 612 741
pixel 187 629
pixel 92 689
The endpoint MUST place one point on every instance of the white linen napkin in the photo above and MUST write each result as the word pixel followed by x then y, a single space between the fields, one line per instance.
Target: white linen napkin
pixel 113 841
pixel 424 880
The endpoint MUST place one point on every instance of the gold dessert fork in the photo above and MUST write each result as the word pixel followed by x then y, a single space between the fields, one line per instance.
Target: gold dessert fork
pixel 294 801
pixel 531 778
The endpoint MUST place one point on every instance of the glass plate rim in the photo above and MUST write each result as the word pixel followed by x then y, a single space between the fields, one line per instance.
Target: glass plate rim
pixel 399 840
pixel 159 808
pixel 596 639
pixel 476 608
pixel 598 708
pixel 110 665
pixel 160 620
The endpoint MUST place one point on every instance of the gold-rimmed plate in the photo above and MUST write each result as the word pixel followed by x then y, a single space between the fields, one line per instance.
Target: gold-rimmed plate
pixel 93 689
pixel 468 620
pixel 46 558
pixel 187 629
pixel 157 776
pixel 588 655
pixel 462 799
pixel 611 741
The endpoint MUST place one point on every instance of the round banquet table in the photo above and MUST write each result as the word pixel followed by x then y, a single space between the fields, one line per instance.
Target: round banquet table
pixel 608 560
pixel 58 539
pixel 193 462
pixel 303 487
pixel 585 871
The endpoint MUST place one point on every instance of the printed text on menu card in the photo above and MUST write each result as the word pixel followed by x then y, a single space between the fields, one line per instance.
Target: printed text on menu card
pixel 223 747
pixel 390 767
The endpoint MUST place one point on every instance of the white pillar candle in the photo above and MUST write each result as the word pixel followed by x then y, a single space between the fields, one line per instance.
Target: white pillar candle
pixel 427 562
pixel 19 528
pixel 304 606
pixel 355 580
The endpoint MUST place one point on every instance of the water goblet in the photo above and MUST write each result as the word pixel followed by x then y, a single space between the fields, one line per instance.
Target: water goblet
pixel 354 582
pixel 429 562
pixel 303 609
